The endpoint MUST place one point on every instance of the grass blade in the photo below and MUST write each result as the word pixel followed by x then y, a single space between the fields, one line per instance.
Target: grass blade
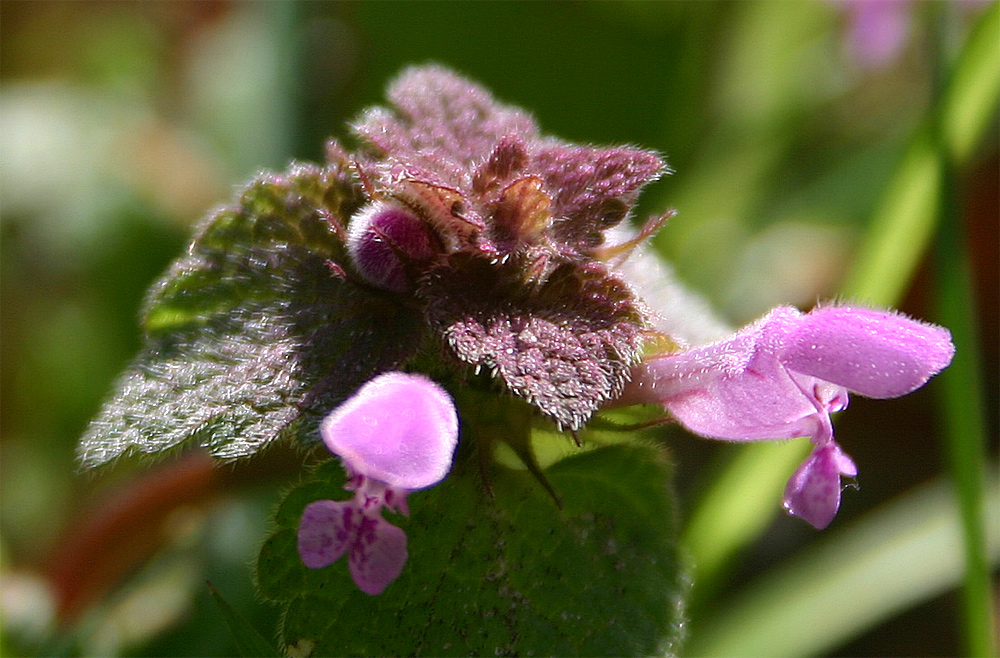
pixel 903 553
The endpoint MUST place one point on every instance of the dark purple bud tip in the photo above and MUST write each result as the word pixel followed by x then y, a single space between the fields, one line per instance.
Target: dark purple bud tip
pixel 388 243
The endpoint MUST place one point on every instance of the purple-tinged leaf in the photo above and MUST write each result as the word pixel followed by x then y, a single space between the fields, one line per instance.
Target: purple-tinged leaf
pixel 442 122
pixel 593 188
pixel 566 346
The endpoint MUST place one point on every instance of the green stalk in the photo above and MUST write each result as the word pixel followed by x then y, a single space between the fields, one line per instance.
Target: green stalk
pixel 962 397
pixel 965 434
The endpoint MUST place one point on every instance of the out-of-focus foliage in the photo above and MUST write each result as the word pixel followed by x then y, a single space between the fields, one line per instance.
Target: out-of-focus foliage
pixel 121 124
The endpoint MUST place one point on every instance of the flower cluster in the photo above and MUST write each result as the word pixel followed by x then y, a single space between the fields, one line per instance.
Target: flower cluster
pixel 496 232
pixel 497 235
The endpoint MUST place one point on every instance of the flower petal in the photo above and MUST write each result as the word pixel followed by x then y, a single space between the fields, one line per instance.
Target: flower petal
pixel 750 407
pixel 378 555
pixel 737 389
pixel 399 428
pixel 813 492
pixel 875 353
pixel 325 532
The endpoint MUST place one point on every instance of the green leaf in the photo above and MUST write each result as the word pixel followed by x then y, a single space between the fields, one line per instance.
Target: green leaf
pixel 970 102
pixel 511 575
pixel 252 335
pixel 248 640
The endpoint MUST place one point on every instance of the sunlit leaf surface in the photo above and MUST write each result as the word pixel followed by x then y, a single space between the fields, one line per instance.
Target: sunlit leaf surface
pixel 252 335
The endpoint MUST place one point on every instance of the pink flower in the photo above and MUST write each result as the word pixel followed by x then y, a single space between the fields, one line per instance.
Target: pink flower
pixel 877 31
pixel 396 434
pixel 782 376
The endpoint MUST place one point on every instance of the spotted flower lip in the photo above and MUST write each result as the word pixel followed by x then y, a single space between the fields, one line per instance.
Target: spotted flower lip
pixel 813 491
pixel 376 549
pixel 396 434
pixel 782 376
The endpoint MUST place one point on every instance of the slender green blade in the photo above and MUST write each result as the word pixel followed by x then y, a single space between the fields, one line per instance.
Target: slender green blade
pixel 966 438
pixel 970 98
pixel 970 101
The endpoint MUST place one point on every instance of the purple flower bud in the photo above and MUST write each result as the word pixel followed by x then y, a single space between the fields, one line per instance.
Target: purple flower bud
pixel 396 434
pixel 782 376
pixel 387 243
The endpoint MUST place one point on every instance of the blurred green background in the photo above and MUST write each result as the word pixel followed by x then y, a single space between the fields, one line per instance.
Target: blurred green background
pixel 122 123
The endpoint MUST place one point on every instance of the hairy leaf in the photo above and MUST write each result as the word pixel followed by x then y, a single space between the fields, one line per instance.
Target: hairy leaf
pixel 509 575
pixel 593 188
pixel 566 346
pixel 443 123
pixel 252 335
